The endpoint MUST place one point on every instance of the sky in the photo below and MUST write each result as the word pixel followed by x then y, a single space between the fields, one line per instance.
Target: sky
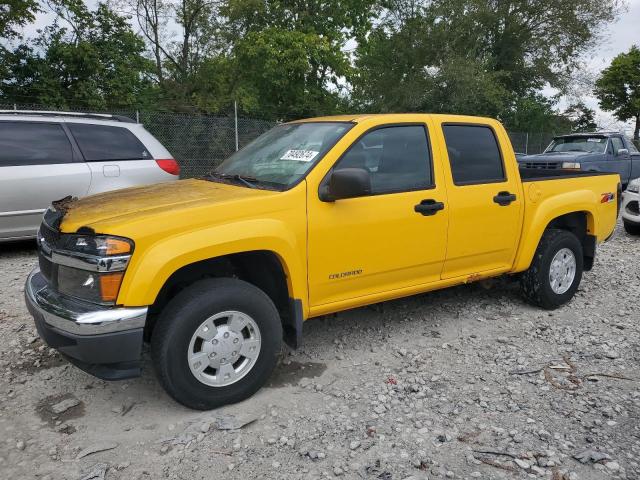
pixel 617 38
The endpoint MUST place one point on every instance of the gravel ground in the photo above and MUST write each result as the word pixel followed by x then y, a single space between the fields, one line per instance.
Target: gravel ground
pixel 468 382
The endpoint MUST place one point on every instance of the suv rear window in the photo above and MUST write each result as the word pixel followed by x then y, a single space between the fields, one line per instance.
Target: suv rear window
pixel 24 143
pixel 473 154
pixel 106 143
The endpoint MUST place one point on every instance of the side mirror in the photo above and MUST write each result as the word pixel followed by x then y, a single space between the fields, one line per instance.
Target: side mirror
pixel 346 183
pixel 622 151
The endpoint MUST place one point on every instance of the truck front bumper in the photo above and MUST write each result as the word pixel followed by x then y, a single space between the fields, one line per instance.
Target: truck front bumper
pixel 103 341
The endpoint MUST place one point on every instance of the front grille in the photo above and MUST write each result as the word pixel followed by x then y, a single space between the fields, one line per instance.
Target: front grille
pixel 49 235
pixel 542 165
pixel 46 267
pixel 632 207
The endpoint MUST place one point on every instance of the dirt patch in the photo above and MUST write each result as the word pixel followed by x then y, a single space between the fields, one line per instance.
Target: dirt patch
pixel 34 360
pixel 291 373
pixel 57 409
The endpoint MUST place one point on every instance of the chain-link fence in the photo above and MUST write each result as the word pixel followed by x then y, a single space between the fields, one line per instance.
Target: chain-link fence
pixel 199 142
pixel 530 143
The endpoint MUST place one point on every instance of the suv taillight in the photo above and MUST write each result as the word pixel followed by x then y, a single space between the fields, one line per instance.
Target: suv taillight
pixel 169 165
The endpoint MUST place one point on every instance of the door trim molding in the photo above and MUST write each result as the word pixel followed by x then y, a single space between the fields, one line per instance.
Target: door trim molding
pixel 18 213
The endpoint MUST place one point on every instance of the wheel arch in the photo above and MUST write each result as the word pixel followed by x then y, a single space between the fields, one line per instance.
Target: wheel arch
pixel 264 269
pixel 581 223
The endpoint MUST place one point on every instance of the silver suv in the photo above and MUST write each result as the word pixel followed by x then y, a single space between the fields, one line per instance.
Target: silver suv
pixel 46 156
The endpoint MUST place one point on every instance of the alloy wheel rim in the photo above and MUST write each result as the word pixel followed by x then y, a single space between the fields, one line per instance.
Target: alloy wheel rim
pixel 224 348
pixel 562 271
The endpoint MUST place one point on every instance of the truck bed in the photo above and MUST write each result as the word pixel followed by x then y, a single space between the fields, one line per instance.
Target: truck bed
pixel 537 174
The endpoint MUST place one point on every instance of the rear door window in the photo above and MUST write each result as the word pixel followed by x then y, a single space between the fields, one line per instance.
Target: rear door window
pixel 100 143
pixel 474 154
pixel 33 143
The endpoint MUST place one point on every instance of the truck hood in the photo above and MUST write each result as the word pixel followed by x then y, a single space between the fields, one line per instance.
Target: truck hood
pixel 134 204
pixel 559 157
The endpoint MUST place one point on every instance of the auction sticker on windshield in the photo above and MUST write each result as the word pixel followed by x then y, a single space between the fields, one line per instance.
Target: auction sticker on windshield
pixel 299 155
pixel 595 140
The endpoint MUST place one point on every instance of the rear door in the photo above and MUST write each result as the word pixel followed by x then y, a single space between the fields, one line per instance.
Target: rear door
pixel 485 204
pixel 38 164
pixel 115 156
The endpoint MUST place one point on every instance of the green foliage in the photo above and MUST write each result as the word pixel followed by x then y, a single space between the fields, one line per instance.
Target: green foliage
pixel 618 88
pixel 535 113
pixel 286 74
pixel 281 59
pixel 93 61
pixel 582 117
pixel 15 14
pixel 475 56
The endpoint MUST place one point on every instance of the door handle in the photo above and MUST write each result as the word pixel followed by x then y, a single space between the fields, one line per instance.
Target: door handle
pixel 504 198
pixel 428 207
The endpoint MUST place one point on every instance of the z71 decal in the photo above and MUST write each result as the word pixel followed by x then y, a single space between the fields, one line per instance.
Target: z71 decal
pixel 608 197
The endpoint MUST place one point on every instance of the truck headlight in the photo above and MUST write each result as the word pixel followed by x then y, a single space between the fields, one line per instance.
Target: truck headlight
pixel 634 187
pixel 96 245
pixel 90 286
pixel 571 165
pixel 89 267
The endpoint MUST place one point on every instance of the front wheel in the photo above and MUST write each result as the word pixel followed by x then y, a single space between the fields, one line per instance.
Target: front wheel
pixel 556 270
pixel 216 343
pixel 632 228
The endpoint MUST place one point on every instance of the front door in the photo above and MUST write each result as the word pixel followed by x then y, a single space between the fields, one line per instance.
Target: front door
pixel 393 238
pixel 618 162
pixel 485 202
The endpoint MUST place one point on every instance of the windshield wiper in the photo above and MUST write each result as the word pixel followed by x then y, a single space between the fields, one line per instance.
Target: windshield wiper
pixel 248 181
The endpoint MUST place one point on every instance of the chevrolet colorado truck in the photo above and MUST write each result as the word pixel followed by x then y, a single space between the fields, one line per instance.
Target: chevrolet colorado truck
pixel 313 217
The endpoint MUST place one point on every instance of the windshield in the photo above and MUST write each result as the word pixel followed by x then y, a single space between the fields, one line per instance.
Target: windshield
pixel 578 144
pixel 283 155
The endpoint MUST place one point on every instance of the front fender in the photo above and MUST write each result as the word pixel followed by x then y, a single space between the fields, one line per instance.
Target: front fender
pixel 538 216
pixel 149 270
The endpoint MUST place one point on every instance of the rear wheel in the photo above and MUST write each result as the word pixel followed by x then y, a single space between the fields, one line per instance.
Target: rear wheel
pixel 556 270
pixel 216 343
pixel 632 228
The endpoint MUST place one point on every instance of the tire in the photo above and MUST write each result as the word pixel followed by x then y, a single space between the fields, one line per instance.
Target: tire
pixel 175 342
pixel 632 228
pixel 536 283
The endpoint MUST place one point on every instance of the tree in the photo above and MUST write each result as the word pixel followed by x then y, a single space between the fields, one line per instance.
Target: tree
pixel 536 114
pixel 15 14
pixel 581 116
pixel 176 54
pixel 286 74
pixel 618 88
pixel 502 51
pixel 93 61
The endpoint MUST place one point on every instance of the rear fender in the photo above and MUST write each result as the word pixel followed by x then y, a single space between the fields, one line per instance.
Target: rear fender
pixel 539 216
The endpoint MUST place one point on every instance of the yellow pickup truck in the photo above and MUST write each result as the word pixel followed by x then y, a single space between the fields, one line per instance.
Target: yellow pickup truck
pixel 314 217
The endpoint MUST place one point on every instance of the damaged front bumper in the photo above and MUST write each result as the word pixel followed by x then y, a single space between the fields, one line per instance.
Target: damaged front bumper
pixel 103 341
